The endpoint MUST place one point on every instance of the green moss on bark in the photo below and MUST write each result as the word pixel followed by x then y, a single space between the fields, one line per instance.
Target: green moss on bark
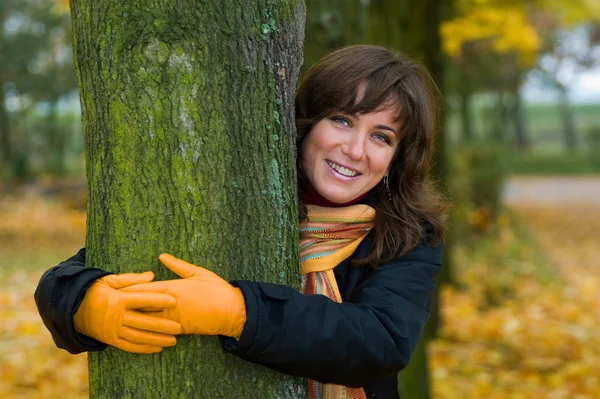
pixel 176 99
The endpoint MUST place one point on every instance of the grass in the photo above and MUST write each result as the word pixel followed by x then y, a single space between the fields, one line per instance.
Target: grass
pixel 543 122
pixel 547 154
pixel 553 164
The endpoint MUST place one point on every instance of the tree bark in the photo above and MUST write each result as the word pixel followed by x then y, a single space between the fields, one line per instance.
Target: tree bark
pixel 190 149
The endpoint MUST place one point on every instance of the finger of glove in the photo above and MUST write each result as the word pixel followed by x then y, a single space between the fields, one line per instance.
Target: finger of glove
pixel 137 300
pixel 150 311
pixel 185 269
pixel 118 281
pixel 154 286
pixel 155 322
pixel 178 266
pixel 137 348
pixel 142 337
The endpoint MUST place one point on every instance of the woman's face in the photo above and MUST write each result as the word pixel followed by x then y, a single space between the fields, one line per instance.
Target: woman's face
pixel 345 156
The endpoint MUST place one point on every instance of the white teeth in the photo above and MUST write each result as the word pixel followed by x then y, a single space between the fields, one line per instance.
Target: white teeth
pixel 343 171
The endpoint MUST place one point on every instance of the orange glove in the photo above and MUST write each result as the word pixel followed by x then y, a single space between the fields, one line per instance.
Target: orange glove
pixel 107 314
pixel 206 304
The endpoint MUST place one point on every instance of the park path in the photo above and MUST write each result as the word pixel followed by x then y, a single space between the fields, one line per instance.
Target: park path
pixel 542 339
pixel 553 191
pixel 564 214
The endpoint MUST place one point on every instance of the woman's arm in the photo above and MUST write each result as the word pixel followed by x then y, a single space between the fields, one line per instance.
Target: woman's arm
pixel 58 296
pixel 72 299
pixel 370 337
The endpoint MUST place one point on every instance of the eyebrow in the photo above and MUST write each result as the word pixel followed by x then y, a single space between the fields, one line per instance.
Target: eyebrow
pixel 384 127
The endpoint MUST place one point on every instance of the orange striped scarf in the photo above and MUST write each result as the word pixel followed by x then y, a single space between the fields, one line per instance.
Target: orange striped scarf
pixel 328 237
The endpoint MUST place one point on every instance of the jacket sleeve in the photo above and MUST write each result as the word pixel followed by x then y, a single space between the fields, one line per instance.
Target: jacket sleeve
pixel 370 337
pixel 58 296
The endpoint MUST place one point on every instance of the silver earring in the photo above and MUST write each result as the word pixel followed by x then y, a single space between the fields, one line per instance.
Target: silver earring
pixel 386 184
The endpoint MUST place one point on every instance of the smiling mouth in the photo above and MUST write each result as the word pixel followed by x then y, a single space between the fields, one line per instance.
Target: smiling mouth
pixel 342 170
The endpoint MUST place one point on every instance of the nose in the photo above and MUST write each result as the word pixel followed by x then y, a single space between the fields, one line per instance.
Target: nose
pixel 354 147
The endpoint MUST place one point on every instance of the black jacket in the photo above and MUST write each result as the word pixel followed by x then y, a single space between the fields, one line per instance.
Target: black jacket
pixel 364 341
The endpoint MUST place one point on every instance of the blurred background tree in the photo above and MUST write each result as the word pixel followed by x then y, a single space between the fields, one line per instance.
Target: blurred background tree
pixel 495 48
pixel 39 119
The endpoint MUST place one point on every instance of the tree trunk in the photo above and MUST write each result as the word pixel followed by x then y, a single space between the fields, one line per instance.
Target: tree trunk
pixel 332 24
pixel 5 141
pixel 56 141
pixel 568 118
pixel 519 120
pixel 465 113
pixel 498 127
pixel 5 149
pixel 190 149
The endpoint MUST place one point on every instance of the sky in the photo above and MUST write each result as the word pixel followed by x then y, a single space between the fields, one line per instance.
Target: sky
pixel 584 88
pixel 583 85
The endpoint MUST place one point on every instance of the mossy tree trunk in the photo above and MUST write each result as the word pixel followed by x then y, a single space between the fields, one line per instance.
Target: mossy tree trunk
pixel 190 146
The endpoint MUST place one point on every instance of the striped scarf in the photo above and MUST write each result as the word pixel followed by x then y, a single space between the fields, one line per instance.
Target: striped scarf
pixel 330 236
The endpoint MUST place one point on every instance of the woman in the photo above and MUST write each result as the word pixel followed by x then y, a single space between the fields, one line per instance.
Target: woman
pixel 371 232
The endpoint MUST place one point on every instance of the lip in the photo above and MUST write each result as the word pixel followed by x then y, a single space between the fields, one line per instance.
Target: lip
pixel 339 176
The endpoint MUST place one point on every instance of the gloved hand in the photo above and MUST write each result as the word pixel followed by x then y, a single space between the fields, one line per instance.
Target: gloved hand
pixel 206 304
pixel 107 315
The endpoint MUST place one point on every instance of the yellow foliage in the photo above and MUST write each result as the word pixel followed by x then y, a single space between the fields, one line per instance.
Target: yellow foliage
pixel 506 24
pixel 573 11
pixel 507 28
pixel 61 6
pixel 539 339
pixel 34 235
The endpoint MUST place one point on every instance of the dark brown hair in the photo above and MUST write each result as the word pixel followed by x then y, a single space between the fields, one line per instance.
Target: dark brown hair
pixel 385 79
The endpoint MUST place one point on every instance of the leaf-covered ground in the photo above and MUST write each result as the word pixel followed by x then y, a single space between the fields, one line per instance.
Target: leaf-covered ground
pixel 521 323
pixel 35 234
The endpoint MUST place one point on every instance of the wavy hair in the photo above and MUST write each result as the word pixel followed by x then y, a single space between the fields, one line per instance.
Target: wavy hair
pixel 384 79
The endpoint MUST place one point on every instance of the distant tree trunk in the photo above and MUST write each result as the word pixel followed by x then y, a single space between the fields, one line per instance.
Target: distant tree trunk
pixel 568 119
pixel 190 149
pixel 5 141
pixel 5 148
pixel 332 24
pixel 413 27
pixel 498 130
pixel 466 115
pixel 518 116
pixel 56 141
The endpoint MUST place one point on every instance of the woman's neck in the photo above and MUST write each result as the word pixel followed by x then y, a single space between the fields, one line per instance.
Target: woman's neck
pixel 312 197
